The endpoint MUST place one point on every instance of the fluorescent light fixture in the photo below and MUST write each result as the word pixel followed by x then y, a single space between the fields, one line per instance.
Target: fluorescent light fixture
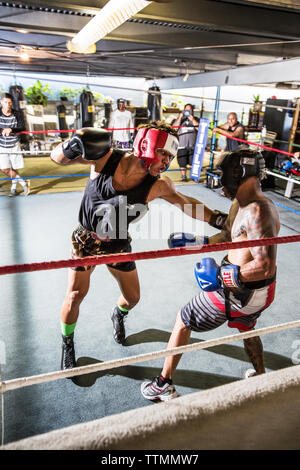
pixel 186 77
pixel 24 56
pixel 24 31
pixel 112 15
pixel 90 50
pixel 21 51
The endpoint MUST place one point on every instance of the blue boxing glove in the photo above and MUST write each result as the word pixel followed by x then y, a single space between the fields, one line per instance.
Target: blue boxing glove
pixel 210 276
pixel 179 239
pixel 207 274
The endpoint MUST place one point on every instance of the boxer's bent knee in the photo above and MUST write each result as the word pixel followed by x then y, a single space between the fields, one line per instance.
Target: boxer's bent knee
pixel 75 297
pixel 133 300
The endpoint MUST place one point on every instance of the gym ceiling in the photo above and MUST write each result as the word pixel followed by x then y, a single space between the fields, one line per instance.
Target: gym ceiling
pixel 164 40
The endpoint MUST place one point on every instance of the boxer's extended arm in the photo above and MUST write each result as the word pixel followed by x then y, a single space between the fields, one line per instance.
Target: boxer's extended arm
pixel 225 234
pixel 260 221
pixel 165 189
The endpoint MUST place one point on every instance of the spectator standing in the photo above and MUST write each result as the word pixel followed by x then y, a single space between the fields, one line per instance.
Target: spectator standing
pixel 232 128
pixel 121 123
pixel 187 138
pixel 11 159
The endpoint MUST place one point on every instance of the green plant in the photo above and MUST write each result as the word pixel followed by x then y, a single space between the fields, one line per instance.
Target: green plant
pixel 101 98
pixel 256 98
pixel 38 93
pixel 176 101
pixel 69 93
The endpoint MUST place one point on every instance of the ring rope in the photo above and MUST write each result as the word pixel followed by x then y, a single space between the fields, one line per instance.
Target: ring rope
pixel 152 92
pixel 287 208
pixel 258 145
pixel 44 176
pixel 58 176
pixel 58 131
pixel 62 374
pixel 124 257
pixel 135 128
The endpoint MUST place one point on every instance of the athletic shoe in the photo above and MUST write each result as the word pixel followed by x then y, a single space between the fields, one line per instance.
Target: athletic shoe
pixel 118 319
pixel 27 188
pixel 159 389
pixel 250 373
pixel 184 179
pixel 12 193
pixel 68 360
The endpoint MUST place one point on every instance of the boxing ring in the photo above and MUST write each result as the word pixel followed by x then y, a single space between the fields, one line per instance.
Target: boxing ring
pixel 91 370
pixel 96 368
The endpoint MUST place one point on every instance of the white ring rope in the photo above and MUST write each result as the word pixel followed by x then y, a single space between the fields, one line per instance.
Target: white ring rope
pixel 63 374
pixel 33 152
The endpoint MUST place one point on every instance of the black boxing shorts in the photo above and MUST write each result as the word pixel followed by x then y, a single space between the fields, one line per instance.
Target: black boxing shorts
pixel 86 243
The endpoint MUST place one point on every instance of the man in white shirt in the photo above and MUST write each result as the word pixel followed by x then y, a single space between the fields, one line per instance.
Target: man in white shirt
pixel 121 123
pixel 11 159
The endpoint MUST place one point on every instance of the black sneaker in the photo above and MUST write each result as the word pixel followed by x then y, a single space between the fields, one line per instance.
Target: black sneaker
pixel 68 360
pixel 118 319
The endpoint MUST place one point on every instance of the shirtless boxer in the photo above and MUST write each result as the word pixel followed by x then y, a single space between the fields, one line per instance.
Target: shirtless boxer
pixel 244 285
pixel 117 179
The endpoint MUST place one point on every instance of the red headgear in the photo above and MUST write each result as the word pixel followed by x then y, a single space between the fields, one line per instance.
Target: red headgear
pixel 147 141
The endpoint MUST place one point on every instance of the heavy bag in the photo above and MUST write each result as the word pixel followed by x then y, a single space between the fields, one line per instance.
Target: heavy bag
pixel 107 111
pixel 19 105
pixel 154 104
pixel 62 122
pixel 87 109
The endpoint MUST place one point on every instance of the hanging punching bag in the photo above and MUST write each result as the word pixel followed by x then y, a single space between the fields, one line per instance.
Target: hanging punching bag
pixel 87 109
pixel 19 105
pixel 107 111
pixel 62 122
pixel 154 104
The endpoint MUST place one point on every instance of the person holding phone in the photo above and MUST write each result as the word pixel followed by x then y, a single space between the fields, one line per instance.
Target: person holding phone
pixel 187 137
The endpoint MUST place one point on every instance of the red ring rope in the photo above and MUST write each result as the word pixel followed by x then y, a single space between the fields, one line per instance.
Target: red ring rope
pixel 74 130
pixel 258 145
pixel 134 128
pixel 123 257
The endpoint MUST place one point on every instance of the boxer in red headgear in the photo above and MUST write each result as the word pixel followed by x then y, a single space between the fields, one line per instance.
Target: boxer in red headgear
pixel 149 141
pixel 118 182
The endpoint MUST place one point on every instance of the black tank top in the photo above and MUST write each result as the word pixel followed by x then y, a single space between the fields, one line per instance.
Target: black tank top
pixel 105 210
pixel 231 144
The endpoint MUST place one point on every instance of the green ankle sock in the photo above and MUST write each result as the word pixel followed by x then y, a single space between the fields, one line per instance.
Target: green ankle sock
pixel 66 329
pixel 123 310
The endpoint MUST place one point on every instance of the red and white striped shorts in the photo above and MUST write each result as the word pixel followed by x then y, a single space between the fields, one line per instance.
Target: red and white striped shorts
pixel 206 311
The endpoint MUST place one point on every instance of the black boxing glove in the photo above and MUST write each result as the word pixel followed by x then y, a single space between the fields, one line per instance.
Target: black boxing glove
pixel 90 143
pixel 217 219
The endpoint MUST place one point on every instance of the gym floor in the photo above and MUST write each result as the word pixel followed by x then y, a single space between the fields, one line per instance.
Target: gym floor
pixel 38 228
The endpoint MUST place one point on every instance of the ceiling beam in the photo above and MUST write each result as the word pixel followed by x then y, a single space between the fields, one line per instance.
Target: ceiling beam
pixel 281 71
pixel 220 15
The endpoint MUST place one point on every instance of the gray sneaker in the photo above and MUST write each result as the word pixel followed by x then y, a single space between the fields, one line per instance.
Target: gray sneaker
pixel 159 389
